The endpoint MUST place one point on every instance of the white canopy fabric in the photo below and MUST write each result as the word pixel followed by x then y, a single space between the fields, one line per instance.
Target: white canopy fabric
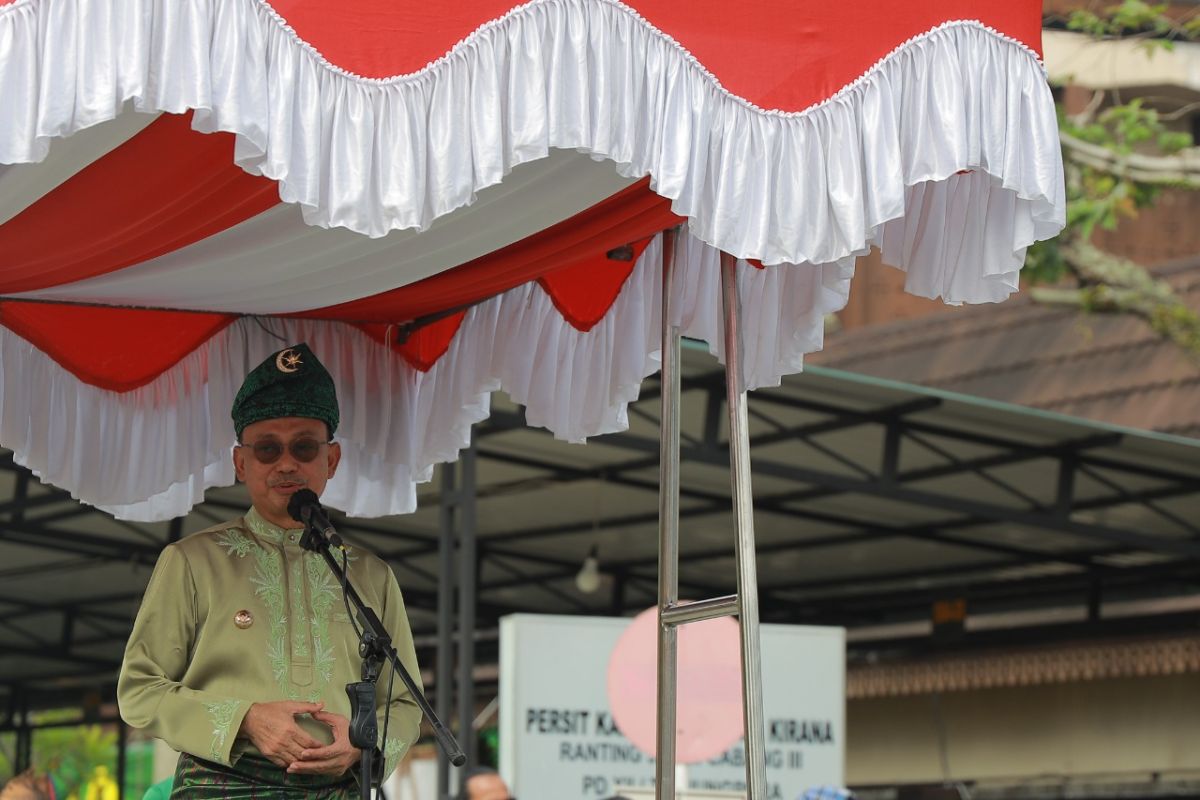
pixel 943 153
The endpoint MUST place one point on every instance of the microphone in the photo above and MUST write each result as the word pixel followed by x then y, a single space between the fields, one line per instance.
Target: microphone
pixel 304 506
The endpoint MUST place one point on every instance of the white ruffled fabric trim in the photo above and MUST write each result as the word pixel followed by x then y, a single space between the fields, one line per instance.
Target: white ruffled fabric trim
pixel 149 454
pixel 865 166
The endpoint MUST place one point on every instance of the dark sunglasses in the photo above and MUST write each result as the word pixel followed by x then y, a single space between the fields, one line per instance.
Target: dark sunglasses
pixel 268 451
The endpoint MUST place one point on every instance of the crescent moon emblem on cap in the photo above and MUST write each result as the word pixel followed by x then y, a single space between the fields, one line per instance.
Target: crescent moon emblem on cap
pixel 288 361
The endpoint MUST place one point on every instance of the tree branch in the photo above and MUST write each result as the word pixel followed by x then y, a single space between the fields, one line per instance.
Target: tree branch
pixel 1182 169
pixel 1120 286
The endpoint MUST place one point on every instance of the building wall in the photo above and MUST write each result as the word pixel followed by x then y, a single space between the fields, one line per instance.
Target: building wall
pixel 1129 725
pixel 1167 231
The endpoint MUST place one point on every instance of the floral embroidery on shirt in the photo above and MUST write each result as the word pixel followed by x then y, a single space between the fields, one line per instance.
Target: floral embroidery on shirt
pixel 308 615
pixel 300 627
pixel 222 719
pixel 392 750
pixel 323 593
pixel 236 543
pixel 266 530
pixel 268 582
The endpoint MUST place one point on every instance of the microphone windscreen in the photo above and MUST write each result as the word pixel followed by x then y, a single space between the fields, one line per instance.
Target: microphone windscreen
pixel 300 499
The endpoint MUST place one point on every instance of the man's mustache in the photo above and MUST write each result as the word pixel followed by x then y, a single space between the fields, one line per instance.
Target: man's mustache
pixel 282 479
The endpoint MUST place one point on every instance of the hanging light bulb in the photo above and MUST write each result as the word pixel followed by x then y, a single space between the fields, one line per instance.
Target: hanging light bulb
pixel 588 578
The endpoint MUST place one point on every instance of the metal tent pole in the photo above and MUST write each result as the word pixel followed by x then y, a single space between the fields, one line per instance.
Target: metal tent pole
pixel 744 604
pixel 743 518
pixel 668 532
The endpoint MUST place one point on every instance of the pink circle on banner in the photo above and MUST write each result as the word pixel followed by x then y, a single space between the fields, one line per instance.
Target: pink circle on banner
pixel 708 718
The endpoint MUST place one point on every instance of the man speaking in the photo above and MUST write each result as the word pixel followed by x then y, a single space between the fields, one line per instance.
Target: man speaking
pixel 242 647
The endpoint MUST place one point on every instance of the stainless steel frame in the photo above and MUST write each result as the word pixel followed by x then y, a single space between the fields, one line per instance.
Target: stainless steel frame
pixel 671 613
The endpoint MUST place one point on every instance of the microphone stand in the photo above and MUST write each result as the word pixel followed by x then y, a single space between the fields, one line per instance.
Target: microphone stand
pixel 375 647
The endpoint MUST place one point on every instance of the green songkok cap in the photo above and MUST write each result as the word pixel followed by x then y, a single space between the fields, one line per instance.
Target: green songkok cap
pixel 290 383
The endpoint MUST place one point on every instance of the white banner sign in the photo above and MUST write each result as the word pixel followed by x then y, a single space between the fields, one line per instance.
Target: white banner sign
pixel 558 739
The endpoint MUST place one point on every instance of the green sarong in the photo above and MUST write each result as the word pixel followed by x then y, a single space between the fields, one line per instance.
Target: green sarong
pixel 257 778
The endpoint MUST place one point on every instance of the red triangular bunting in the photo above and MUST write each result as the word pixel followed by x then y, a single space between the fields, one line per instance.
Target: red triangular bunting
pixel 584 291
pixel 118 349
pixel 424 346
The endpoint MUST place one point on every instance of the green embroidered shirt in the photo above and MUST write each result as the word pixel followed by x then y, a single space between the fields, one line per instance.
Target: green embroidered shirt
pixel 241 614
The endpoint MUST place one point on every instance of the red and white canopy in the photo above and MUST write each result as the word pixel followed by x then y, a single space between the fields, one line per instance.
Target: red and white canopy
pixel 234 175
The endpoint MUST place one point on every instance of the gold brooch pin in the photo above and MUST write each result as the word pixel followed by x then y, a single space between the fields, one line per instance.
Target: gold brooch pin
pixel 243 619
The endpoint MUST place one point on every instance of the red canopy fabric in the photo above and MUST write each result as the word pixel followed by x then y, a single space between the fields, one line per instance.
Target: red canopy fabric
pixel 785 56
pixel 460 226
pixel 164 189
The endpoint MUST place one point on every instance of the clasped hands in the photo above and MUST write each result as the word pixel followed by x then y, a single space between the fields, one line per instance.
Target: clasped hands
pixel 272 728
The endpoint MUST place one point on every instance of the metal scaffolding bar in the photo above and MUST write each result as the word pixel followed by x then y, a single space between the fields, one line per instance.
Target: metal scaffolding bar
pixel 444 679
pixel 24 755
pixel 122 757
pixel 468 569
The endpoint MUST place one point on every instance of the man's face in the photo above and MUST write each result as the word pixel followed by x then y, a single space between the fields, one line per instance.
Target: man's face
pixel 272 485
pixel 486 787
